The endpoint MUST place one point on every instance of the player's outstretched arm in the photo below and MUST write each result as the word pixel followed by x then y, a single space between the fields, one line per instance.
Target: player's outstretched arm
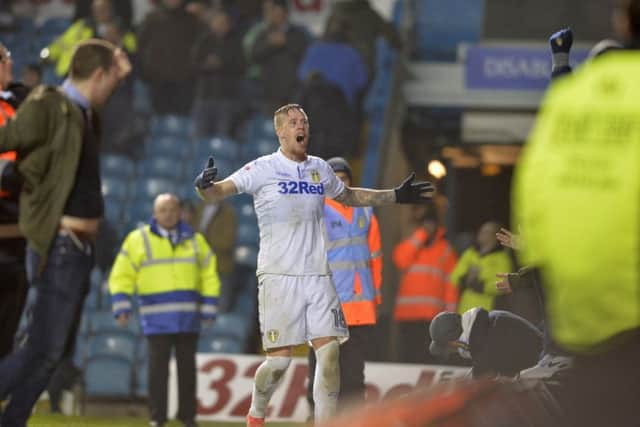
pixel 212 191
pixel 408 192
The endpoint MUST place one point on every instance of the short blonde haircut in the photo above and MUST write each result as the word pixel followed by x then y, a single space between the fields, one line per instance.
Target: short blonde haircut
pixel 281 113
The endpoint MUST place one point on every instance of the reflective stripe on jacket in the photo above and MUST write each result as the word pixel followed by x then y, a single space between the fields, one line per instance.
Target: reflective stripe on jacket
pixel 425 288
pixel 355 260
pixel 6 112
pixel 177 284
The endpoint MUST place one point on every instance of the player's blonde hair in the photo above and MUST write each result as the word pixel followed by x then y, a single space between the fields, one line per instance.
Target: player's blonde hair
pixel 281 114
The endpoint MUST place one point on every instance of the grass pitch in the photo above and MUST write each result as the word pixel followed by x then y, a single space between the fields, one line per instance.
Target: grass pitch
pixel 46 420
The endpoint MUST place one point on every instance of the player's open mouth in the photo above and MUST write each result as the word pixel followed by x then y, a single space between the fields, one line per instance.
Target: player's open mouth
pixel 300 138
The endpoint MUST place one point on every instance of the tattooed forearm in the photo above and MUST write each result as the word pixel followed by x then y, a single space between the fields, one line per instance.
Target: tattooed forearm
pixel 366 197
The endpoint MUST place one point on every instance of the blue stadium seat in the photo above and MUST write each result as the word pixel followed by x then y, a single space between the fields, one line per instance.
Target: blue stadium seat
pixel 397 13
pixel 11 40
pixel 160 167
pixel 141 97
pixel 148 189
pixel 83 329
pixel 261 127
pixel 102 321
pixel 245 303
pixel 142 379
pixel 241 200
pixel 225 167
pixel 115 188
pixel 247 234
pixel 108 376
pixel 114 165
pixel 105 299
pixel 25 26
pixel 230 325
pixel 255 148
pixel 96 277
pixel 247 213
pixel 219 148
pixel 142 351
pixel 113 210
pixel 80 352
pixel 209 344
pixel 441 25
pixel 92 301
pixel 116 343
pixel 168 146
pixel 246 256
pixel 180 126
pixel 55 26
pixel 50 77
pixel 138 211
pixel 386 57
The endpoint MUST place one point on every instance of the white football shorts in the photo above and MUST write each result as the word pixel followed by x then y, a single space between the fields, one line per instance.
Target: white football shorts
pixel 297 309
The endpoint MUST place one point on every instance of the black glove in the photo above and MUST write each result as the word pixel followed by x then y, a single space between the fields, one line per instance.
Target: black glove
pixel 561 41
pixel 206 177
pixel 413 192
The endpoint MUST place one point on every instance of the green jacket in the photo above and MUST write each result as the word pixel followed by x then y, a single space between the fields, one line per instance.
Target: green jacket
pixel 489 265
pixel 47 135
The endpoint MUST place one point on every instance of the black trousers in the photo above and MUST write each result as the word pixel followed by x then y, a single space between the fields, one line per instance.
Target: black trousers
pixel 352 357
pixel 13 295
pixel 160 347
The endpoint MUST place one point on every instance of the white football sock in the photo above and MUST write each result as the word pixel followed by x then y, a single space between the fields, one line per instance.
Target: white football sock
pixel 268 376
pixel 326 382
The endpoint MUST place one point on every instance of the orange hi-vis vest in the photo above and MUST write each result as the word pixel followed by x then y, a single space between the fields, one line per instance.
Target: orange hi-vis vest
pixel 425 289
pixel 355 260
pixel 6 112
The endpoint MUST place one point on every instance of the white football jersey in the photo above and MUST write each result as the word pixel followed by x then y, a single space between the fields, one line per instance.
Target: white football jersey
pixel 288 197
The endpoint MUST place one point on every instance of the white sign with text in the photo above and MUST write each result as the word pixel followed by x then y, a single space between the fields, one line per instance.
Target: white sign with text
pixel 225 382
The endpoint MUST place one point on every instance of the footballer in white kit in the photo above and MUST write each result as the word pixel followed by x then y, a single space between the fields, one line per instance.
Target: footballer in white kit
pixel 297 298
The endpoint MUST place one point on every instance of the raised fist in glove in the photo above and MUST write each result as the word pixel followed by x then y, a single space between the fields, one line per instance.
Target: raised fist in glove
pixel 414 192
pixel 561 41
pixel 207 176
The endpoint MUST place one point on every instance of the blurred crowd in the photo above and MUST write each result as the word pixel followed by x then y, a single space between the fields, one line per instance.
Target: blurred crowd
pixel 220 61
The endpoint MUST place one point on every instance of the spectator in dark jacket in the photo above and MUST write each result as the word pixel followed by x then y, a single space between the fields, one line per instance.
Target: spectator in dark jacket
pixel 165 40
pixel 497 342
pixel 365 25
pixel 278 49
pixel 333 74
pixel 337 62
pixel 220 64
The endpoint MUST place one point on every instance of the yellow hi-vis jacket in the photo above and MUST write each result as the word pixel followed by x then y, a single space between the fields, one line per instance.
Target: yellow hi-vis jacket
pixel 176 283
pixel 576 196
pixel 61 49
pixel 489 264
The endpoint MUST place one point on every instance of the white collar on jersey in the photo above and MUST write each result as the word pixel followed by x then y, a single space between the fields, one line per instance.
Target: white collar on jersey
pixel 293 162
